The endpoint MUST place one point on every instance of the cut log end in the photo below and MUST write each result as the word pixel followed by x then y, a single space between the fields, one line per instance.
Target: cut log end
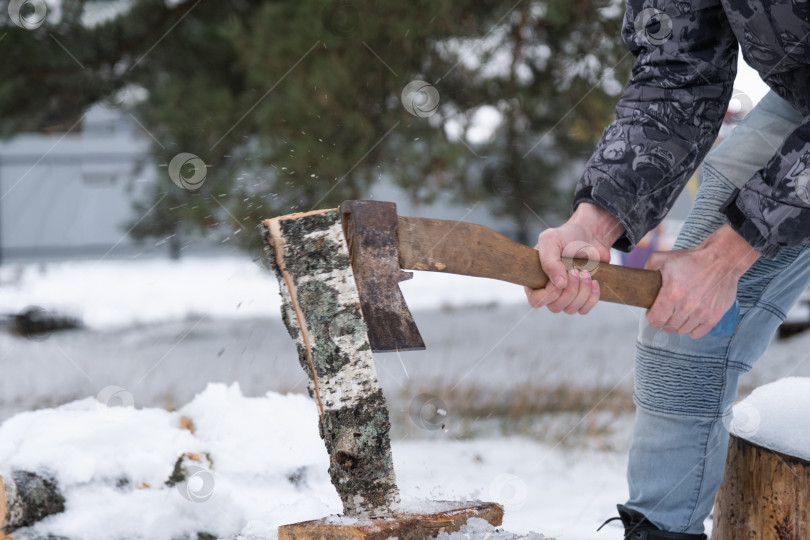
pixel 449 517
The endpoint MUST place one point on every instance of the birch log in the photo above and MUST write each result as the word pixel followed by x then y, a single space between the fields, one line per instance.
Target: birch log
pixel 25 498
pixel 321 310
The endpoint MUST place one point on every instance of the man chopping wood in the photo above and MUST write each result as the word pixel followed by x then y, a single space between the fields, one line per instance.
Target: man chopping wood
pixel 742 258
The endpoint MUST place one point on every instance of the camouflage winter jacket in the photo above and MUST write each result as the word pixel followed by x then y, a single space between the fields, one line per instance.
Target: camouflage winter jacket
pixel 672 107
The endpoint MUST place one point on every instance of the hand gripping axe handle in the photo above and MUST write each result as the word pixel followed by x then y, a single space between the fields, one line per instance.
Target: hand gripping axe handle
pixel 382 244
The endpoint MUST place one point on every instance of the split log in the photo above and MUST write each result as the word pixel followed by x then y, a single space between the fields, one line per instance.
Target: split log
pixel 26 498
pixel 764 495
pixel 321 310
pixel 405 526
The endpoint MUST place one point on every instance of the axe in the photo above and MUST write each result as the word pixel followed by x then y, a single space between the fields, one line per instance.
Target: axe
pixel 383 244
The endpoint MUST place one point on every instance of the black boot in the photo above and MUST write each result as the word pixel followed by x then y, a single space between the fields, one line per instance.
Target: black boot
pixel 636 527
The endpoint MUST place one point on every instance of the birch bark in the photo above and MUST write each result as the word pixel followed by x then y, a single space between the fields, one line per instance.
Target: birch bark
pixel 321 310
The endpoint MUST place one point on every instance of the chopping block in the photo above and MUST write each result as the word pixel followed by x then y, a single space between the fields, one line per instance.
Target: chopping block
pixel 445 516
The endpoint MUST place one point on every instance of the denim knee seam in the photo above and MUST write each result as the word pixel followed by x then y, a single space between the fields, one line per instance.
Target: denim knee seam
pixel 695 503
pixel 665 383
pixel 696 496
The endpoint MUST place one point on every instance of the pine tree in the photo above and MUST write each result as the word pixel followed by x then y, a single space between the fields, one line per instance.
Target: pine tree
pixel 287 106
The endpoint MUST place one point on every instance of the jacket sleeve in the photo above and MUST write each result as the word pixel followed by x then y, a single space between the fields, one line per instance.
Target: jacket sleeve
pixel 668 115
pixel 772 210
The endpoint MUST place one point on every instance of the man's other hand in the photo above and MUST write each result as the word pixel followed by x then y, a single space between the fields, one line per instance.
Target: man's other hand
pixel 700 284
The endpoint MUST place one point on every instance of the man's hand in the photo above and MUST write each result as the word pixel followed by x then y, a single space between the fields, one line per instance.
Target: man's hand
pixel 700 284
pixel 588 234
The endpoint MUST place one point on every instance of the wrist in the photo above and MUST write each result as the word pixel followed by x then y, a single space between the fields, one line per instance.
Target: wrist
pixel 601 224
pixel 726 244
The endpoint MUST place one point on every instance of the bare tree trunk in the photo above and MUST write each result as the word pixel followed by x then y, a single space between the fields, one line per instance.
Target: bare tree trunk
pixel 26 498
pixel 321 309
pixel 764 494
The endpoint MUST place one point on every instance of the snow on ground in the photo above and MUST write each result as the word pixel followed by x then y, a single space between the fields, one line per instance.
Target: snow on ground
pixel 162 330
pixel 775 416
pixel 111 294
pixel 270 468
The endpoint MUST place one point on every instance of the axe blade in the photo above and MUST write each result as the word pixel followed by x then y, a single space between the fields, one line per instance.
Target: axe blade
pixel 370 228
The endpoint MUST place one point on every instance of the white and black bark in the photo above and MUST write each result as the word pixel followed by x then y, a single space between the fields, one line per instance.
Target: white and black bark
pixel 321 310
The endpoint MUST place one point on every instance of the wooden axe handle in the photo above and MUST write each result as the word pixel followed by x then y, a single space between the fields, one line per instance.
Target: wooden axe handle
pixel 464 248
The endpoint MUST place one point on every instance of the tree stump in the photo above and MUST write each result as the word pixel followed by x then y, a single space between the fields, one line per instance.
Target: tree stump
pixel 321 310
pixel 26 498
pixel 765 495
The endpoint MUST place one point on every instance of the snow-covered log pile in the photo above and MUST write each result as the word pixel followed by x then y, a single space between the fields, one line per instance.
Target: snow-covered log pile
pixel 321 309
pixel 765 489
pixel 222 465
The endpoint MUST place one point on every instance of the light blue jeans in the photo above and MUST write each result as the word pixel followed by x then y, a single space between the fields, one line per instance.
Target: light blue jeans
pixel 683 386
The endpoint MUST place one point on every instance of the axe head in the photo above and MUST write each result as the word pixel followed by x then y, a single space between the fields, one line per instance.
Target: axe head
pixel 370 228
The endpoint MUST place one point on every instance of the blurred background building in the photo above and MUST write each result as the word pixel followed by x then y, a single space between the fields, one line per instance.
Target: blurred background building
pixel 70 195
